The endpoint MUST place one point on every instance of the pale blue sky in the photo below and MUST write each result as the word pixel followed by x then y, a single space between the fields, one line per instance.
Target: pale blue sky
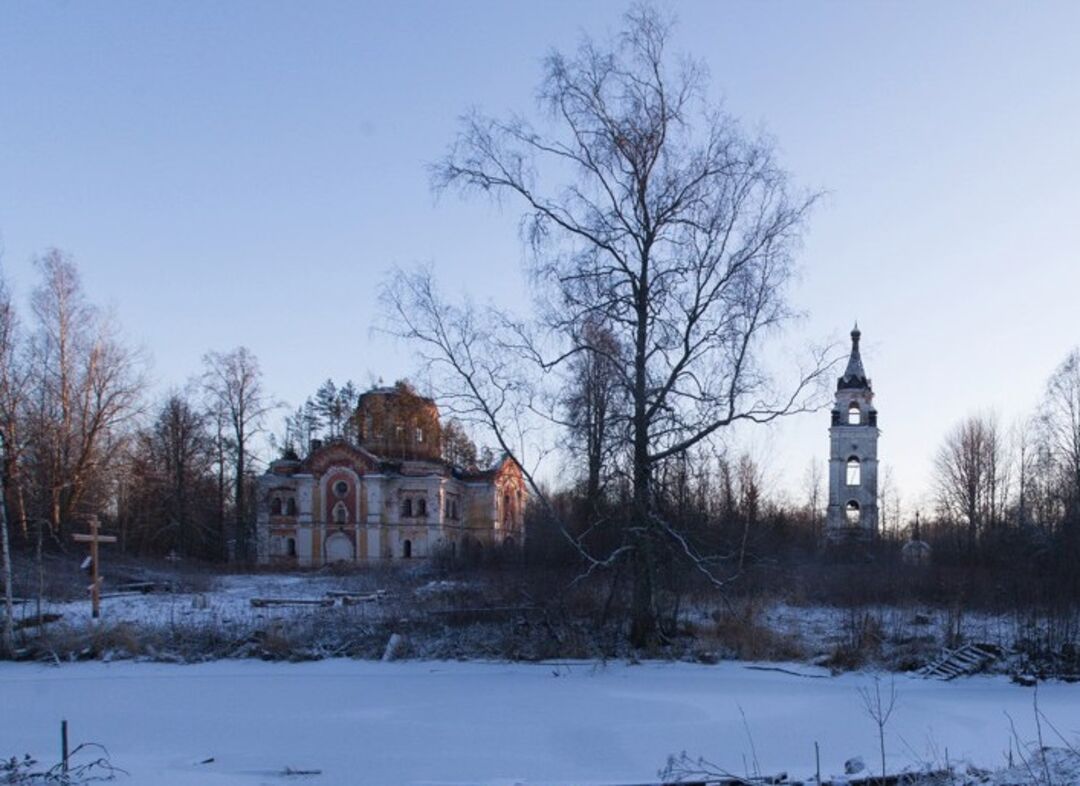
pixel 243 173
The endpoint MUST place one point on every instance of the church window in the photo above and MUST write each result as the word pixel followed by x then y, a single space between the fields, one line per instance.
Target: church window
pixel 419 435
pixel 851 513
pixel 406 550
pixel 341 515
pixel 854 471
pixel 406 508
pixel 275 507
pixel 854 414
pixel 421 507
pixel 290 547
pixel 290 507
pixel 341 488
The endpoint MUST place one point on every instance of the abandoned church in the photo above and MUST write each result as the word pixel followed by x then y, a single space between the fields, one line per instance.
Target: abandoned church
pixel 853 459
pixel 386 495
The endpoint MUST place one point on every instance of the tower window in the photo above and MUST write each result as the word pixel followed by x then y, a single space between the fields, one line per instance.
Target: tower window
pixel 421 507
pixel 419 435
pixel 406 508
pixel 406 550
pixel 275 507
pixel 341 488
pixel 290 507
pixel 851 513
pixel 854 471
pixel 341 515
pixel 854 414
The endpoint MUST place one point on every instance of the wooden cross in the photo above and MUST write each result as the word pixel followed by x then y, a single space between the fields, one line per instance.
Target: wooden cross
pixel 94 539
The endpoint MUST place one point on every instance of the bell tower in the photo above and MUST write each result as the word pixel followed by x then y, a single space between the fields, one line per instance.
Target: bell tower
pixel 853 460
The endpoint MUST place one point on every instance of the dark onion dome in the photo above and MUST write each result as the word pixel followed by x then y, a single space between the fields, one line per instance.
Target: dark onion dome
pixel 854 375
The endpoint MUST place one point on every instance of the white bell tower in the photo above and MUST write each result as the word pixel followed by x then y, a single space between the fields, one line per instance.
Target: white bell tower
pixel 853 459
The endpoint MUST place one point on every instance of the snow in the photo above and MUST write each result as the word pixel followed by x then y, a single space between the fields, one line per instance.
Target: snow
pixel 492 723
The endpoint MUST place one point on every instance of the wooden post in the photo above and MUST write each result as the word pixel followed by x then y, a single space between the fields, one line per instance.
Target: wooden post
pixel 63 747
pixel 94 538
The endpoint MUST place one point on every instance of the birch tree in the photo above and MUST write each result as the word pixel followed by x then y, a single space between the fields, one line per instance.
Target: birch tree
pixel 233 382
pixel 652 213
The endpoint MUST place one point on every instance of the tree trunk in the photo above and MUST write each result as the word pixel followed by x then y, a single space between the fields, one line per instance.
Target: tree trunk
pixel 643 610
pixel 9 605
pixel 241 533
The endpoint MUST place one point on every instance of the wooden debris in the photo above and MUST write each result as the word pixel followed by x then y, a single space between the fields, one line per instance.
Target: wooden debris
pixel 352 598
pixel 261 603
pixel 32 622
pixel 969 659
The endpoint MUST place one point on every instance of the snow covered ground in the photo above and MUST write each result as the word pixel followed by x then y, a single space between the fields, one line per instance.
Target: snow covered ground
pixel 490 723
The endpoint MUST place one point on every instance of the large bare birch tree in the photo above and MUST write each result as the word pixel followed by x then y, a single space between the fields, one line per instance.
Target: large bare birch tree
pixel 653 215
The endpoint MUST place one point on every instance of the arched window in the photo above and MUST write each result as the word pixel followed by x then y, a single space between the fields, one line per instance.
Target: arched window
pixel 406 508
pixel 290 547
pixel 851 513
pixel 506 508
pixel 854 414
pixel 406 549
pixel 341 515
pixel 290 507
pixel 421 507
pixel 275 507
pixel 854 471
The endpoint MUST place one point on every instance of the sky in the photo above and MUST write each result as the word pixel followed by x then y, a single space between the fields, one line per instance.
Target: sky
pixel 247 173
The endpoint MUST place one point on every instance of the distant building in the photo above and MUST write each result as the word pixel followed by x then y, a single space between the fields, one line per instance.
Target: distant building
pixel 853 459
pixel 388 495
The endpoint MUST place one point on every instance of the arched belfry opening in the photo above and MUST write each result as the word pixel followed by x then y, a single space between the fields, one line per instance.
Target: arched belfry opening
pixel 853 457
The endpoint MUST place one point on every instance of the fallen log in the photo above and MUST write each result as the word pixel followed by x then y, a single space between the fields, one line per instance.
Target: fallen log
pixel 261 603
pixel 32 622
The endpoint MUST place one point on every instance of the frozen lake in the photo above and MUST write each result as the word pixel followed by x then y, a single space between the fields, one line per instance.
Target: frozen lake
pixel 492 723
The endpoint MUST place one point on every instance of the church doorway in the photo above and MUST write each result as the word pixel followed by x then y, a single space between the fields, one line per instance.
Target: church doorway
pixel 339 548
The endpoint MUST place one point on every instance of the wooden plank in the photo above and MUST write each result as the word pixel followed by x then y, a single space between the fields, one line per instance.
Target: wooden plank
pixel 260 603
pixel 80 538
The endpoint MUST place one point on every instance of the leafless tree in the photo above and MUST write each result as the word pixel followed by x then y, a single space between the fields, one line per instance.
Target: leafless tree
pixel 12 385
pixel 170 494
pixel 880 708
pixel 87 389
pixel 593 404
pixel 1061 420
pixel 233 383
pixel 813 483
pixel 972 475
pixel 652 214
pixel 889 501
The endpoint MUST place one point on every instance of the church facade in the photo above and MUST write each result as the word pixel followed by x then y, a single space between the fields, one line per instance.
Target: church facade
pixel 853 455
pixel 387 495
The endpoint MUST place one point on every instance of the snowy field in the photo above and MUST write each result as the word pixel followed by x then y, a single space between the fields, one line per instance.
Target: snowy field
pixel 489 723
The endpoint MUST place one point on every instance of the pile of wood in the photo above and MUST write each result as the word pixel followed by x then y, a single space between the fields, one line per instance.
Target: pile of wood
pixel 331 599
pixel 969 659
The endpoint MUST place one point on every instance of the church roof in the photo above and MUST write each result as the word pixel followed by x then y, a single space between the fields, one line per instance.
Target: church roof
pixel 854 374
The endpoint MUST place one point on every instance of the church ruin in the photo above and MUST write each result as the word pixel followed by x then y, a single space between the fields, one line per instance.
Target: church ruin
pixel 387 495
pixel 853 436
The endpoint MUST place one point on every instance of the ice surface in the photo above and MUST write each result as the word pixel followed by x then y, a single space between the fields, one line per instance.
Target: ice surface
pixel 490 723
